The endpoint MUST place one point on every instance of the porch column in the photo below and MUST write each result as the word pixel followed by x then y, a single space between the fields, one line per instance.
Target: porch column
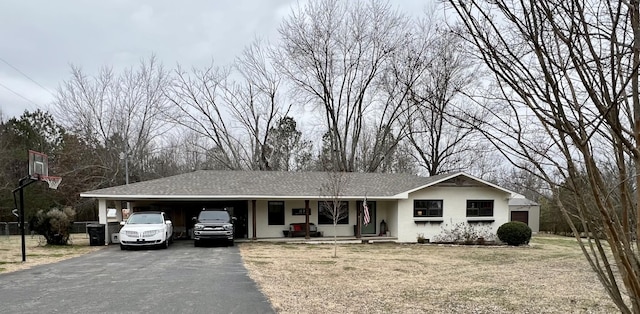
pixel 253 220
pixel 306 219
pixel 118 211
pixel 359 221
pixel 102 218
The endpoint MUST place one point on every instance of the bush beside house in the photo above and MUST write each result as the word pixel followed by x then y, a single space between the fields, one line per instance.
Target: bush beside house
pixel 514 233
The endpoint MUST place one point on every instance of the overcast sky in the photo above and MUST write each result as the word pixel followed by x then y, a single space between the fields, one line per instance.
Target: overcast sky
pixel 39 39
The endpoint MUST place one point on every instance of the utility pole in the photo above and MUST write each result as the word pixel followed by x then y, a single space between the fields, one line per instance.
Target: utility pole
pixel 125 156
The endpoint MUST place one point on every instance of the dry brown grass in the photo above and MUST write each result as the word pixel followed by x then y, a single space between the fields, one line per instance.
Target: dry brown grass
pixel 550 276
pixel 38 253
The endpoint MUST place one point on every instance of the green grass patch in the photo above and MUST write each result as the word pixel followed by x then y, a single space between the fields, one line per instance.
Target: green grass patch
pixel 2 269
pixel 5 262
pixel 349 268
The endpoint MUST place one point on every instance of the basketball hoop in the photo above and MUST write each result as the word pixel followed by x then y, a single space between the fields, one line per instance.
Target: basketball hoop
pixel 52 181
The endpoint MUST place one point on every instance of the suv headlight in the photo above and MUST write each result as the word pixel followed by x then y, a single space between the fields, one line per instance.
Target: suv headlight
pixel 228 227
pixel 198 226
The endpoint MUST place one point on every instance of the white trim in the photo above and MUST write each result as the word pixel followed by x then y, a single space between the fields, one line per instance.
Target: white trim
pixel 224 197
pixel 482 218
pixel 434 219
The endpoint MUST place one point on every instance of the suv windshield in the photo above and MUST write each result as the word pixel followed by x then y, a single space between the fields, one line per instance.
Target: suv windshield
pixel 145 219
pixel 214 215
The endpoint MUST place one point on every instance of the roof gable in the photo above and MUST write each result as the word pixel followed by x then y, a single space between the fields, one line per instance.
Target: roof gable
pixel 455 179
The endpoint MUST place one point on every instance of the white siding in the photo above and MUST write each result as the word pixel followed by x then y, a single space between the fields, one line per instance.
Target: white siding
pixel 388 211
pixel 453 212
pixel 264 230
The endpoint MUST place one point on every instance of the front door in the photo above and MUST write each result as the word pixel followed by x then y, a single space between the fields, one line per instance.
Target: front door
pixel 371 227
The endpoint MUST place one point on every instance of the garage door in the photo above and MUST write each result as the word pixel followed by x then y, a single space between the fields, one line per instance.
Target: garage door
pixel 522 216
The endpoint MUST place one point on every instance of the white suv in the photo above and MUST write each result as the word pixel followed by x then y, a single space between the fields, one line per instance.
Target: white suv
pixel 146 229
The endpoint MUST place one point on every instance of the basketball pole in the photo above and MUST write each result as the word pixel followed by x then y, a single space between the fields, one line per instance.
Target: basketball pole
pixel 20 188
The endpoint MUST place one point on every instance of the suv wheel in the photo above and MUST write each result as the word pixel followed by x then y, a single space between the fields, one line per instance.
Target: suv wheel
pixel 165 245
pixel 196 243
pixel 230 243
pixel 122 247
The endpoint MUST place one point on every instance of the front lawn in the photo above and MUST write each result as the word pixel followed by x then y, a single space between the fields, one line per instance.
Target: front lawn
pixel 38 252
pixel 549 276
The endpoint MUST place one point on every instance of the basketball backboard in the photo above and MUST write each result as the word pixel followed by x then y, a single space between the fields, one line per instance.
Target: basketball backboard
pixel 38 165
pixel 39 169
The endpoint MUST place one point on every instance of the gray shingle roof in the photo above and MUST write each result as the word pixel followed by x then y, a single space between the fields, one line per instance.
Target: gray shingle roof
pixel 521 201
pixel 256 184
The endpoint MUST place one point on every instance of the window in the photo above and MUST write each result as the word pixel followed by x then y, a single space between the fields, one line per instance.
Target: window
pixel 427 208
pixel 326 213
pixel 477 208
pixel 276 213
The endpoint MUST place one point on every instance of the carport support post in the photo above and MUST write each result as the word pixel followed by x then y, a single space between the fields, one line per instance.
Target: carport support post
pixel 306 219
pixel 102 218
pixel 118 211
pixel 359 221
pixel 253 220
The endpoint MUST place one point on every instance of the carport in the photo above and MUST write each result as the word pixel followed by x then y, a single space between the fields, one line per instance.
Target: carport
pixel 180 211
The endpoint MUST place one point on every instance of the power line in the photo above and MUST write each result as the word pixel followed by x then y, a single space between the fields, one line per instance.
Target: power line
pixel 30 102
pixel 27 76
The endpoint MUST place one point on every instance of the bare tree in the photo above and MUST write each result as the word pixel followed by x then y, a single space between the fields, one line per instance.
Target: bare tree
pixel 442 125
pixel 335 54
pixel 235 116
pixel 334 207
pixel 120 112
pixel 567 75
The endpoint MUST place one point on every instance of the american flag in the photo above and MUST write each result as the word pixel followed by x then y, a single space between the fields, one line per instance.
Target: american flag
pixel 366 218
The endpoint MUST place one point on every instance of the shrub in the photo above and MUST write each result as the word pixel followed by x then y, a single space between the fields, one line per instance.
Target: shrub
pixel 514 233
pixel 464 233
pixel 54 225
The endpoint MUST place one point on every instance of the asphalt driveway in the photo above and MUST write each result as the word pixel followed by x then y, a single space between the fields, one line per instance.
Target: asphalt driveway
pixel 181 279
